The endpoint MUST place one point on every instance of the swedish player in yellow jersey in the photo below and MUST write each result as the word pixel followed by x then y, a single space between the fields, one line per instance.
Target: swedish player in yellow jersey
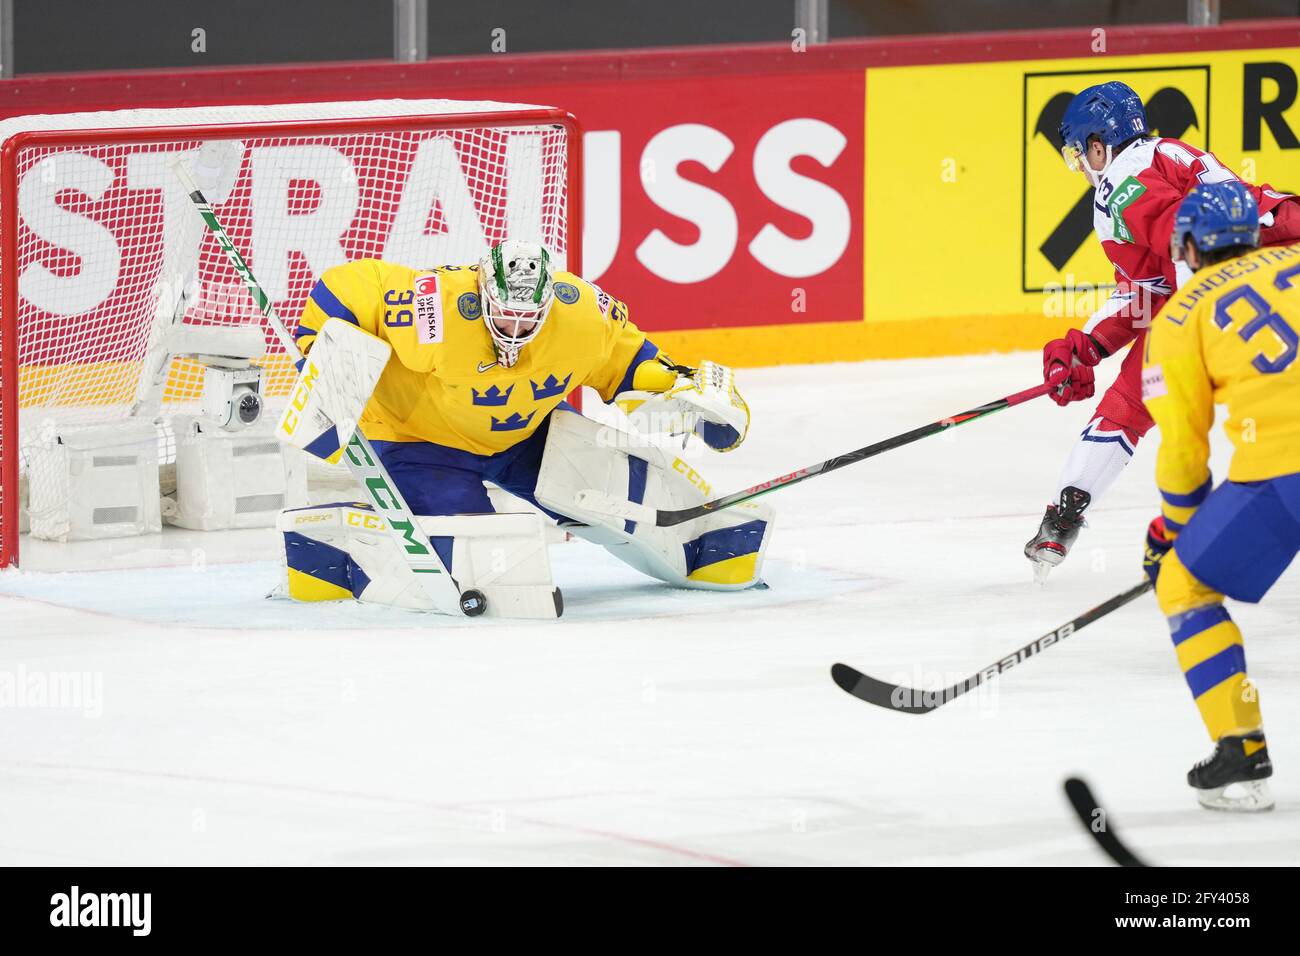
pixel 1230 335
pixel 482 356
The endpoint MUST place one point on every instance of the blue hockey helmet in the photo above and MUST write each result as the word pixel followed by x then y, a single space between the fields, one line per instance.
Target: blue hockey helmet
pixel 1110 111
pixel 1218 216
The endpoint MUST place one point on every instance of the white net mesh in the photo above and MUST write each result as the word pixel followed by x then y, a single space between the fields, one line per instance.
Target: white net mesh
pixel 109 247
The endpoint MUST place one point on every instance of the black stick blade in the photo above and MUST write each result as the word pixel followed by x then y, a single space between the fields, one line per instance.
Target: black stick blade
pixel 890 696
pixel 1098 823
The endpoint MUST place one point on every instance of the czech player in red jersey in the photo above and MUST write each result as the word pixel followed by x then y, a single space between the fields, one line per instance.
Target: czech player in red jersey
pixel 1140 181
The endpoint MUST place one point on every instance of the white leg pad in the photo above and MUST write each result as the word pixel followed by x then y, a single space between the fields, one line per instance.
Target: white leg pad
pixel 721 551
pixel 342 551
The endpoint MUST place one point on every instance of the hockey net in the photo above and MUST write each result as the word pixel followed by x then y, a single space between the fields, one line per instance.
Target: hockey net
pixel 101 248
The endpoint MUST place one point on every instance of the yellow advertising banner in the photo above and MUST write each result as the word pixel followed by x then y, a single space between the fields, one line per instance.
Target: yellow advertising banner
pixel 977 236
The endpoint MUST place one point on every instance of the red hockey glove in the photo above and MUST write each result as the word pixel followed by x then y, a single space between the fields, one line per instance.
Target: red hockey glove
pixel 1067 364
pixel 1158 545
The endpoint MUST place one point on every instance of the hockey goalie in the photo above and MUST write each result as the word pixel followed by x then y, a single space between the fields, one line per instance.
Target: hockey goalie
pixel 459 375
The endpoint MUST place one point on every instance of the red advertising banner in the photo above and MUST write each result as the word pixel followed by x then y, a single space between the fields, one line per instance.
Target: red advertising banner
pixel 726 189
pixel 726 202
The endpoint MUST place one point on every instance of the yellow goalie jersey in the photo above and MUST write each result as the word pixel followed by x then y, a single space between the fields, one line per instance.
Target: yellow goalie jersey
pixel 1230 335
pixel 443 383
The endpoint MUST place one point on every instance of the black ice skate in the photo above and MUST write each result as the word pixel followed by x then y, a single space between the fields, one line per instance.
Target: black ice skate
pixel 1229 767
pixel 1056 534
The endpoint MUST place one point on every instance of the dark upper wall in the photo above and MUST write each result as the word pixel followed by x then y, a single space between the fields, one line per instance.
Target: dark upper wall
pixel 70 35
pixel 533 27
pixel 57 35
pixel 891 17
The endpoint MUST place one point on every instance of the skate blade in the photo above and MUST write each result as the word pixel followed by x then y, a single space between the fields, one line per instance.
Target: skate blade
pixel 1252 796
pixel 1043 560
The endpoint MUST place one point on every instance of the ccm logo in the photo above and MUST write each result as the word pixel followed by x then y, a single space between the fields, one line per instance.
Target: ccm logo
pixel 693 476
pixel 364 519
pixel 298 402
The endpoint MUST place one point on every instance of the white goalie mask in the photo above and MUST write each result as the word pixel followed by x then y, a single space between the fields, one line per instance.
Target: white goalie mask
pixel 516 288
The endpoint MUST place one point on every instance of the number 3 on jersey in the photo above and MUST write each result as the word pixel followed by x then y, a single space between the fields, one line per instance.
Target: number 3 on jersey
pixel 1264 317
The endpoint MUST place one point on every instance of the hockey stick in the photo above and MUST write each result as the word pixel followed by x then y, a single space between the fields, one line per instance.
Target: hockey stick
pixel 158 357
pixel 907 700
pixel 603 503
pixel 362 461
pixel 211 160
pixel 1097 822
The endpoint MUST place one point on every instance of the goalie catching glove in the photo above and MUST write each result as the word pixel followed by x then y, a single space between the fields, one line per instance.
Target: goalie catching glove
pixel 703 401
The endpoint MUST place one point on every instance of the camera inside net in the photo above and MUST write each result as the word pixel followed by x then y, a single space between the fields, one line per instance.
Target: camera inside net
pixel 232 397
pixel 232 384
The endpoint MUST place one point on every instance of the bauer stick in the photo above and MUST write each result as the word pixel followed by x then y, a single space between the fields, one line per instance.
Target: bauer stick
pixel 908 700
pixel 603 503
pixel 362 460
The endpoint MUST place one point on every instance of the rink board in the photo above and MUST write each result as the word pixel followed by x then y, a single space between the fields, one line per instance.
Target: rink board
pixel 783 203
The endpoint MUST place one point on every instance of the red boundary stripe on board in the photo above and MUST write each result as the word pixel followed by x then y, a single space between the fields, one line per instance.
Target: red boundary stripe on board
pixel 443 77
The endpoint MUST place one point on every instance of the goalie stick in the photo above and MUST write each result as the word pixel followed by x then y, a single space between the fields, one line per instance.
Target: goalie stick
pixel 603 503
pixel 1098 823
pixel 908 700
pixel 213 161
pixel 362 460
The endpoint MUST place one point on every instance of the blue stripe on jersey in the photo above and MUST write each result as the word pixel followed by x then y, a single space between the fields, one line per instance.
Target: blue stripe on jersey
pixel 1212 672
pixel 330 304
pixel 647 351
pixel 1192 500
pixel 1194 622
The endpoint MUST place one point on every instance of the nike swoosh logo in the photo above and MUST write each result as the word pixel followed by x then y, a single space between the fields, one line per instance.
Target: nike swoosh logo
pixel 482 367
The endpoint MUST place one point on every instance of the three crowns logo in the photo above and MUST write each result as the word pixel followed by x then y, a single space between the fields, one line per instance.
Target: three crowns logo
pixel 512 424
pixel 493 396
pixel 550 388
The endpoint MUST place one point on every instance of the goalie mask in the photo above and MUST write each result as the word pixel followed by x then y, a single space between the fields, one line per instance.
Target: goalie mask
pixel 516 288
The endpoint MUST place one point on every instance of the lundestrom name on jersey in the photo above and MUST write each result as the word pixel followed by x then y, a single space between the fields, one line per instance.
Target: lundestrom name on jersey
pixel 102 909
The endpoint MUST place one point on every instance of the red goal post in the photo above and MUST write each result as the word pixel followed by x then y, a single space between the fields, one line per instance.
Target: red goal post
pixel 97 245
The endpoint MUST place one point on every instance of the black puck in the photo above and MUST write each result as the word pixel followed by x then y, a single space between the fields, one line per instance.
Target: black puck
pixel 472 602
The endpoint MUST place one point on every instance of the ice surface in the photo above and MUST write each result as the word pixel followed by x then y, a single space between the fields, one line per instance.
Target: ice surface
pixel 652 725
